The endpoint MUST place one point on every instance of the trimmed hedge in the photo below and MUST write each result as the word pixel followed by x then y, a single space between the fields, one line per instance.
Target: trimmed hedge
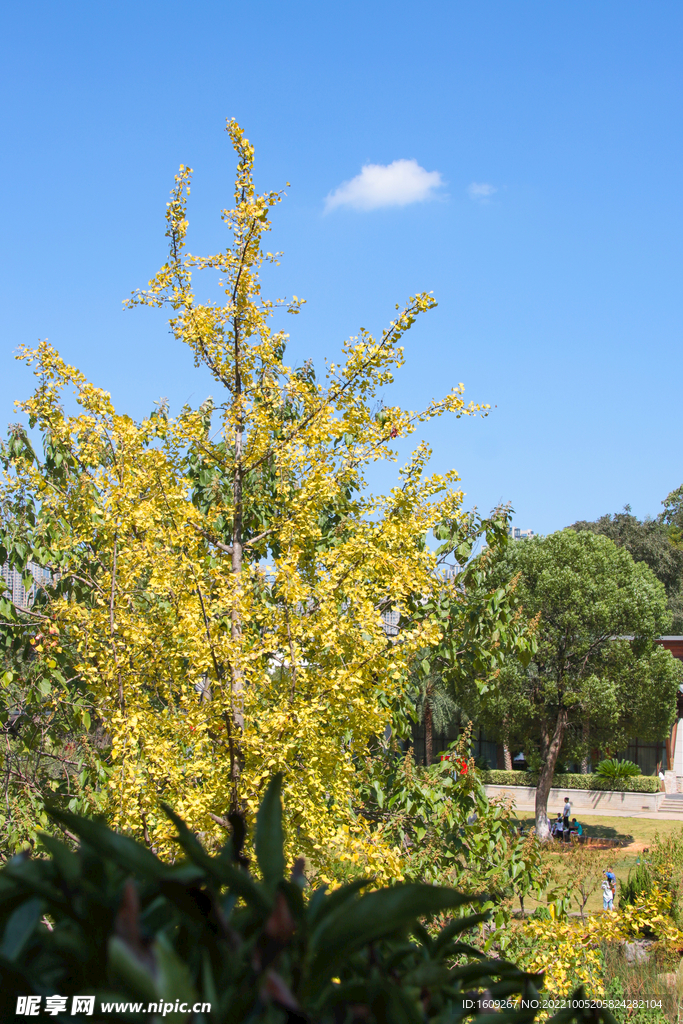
pixel 635 784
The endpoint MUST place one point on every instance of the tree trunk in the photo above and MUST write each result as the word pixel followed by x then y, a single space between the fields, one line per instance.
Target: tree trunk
pixel 585 737
pixel 507 757
pixel 429 732
pixel 236 678
pixel 546 778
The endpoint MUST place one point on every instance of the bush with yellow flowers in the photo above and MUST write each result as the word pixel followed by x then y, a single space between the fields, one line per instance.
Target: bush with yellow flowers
pixel 568 950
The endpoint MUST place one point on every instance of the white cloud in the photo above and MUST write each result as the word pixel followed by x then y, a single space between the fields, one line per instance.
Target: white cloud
pixel 480 191
pixel 396 184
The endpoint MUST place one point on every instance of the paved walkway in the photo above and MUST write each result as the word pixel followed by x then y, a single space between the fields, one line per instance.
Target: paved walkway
pixel 655 815
pixel 610 813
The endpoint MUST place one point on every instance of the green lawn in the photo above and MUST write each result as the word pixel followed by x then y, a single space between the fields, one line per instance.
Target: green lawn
pixel 639 831
pixel 633 834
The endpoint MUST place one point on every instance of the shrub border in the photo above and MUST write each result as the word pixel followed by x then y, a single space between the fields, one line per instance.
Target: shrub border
pixel 635 784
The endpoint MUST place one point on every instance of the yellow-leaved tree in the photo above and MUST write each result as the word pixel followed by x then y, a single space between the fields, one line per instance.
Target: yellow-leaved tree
pixel 220 579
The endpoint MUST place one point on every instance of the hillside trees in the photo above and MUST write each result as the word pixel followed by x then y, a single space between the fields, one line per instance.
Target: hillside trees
pixel 653 541
pixel 596 676
pixel 219 577
pixel 672 517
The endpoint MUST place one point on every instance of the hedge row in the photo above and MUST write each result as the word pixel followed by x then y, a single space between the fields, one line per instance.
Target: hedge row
pixel 635 784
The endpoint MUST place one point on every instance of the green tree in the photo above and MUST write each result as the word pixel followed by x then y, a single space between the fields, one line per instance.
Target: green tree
pixel 479 616
pixel 672 517
pixel 51 747
pixel 597 676
pixel 479 620
pixel 653 541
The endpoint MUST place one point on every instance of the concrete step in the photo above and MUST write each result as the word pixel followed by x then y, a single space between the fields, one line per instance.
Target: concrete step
pixel 672 802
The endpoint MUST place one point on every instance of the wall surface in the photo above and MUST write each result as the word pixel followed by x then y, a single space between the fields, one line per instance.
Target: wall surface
pixel 582 800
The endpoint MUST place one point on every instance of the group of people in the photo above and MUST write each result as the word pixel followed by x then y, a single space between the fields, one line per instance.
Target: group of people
pixel 562 828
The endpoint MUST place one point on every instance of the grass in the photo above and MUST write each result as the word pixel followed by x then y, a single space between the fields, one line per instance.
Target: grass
pixel 634 836
pixel 627 831
pixel 636 982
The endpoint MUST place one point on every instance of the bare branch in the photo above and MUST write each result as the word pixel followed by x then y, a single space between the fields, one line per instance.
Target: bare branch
pixel 212 540
pixel 260 536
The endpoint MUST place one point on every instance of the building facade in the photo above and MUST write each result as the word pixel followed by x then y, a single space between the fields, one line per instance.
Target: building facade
pixel 14 583
pixel 517 534
pixel 674 744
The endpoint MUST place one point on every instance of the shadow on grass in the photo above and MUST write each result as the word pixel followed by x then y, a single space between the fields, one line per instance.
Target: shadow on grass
pixel 607 832
pixel 591 831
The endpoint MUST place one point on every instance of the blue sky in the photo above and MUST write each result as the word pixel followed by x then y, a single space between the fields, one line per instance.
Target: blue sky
pixel 559 292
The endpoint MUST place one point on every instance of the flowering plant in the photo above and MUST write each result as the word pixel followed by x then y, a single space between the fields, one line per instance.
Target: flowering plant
pixel 568 951
pixel 460 764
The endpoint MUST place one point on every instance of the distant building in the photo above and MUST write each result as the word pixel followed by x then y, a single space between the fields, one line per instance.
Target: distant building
pixel 517 534
pixel 390 621
pixel 14 583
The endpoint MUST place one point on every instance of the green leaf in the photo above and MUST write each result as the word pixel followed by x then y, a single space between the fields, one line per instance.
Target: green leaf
pixel 125 852
pixel 322 904
pixel 66 862
pixel 392 1003
pixel 135 976
pixel 174 980
pixel 374 916
pixel 456 927
pixel 218 868
pixel 269 840
pixel 33 876
pixel 20 927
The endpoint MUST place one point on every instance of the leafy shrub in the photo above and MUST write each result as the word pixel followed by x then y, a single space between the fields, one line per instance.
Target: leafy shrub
pixel 665 863
pixel 123 925
pixel 634 784
pixel 449 832
pixel 639 882
pixel 570 951
pixel 612 768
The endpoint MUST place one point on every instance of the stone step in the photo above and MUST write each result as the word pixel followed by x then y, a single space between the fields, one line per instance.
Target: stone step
pixel 669 803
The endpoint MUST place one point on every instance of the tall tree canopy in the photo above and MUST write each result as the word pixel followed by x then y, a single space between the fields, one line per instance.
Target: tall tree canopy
pixel 219 577
pixel 657 542
pixel 672 516
pixel 597 677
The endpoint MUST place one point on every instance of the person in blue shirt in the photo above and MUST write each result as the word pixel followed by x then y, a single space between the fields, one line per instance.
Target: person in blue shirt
pixel 577 828
pixel 607 895
pixel 612 879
